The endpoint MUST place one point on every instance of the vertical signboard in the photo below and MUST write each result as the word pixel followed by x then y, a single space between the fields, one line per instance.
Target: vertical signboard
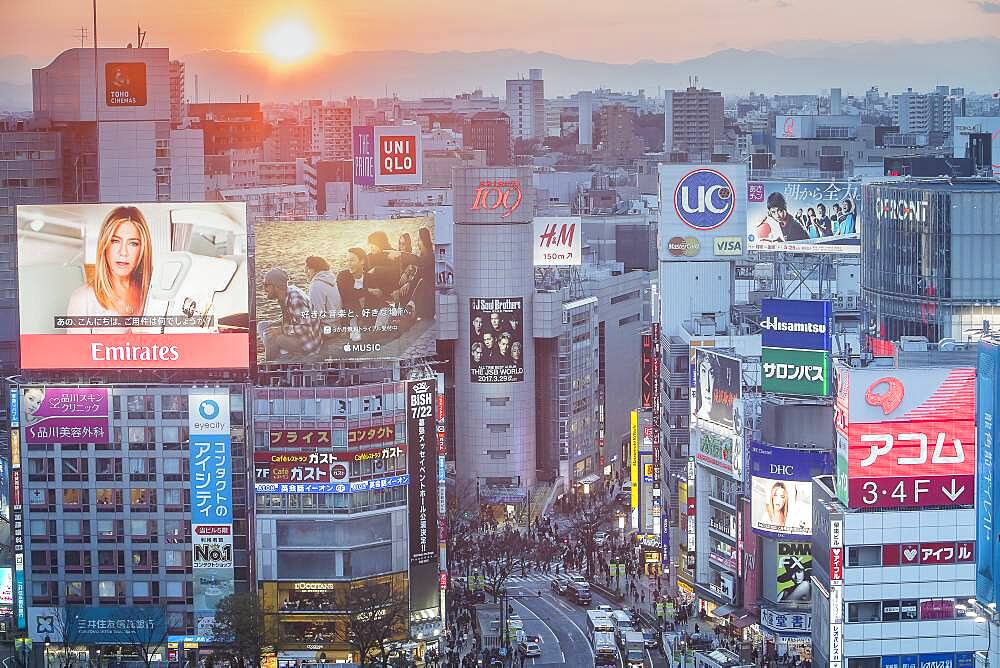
pixel 646 372
pixel 363 140
pixel 17 514
pixel 691 513
pixel 423 493
pixel 796 340
pixel 987 482
pixel 836 593
pixel 211 502
pixel 703 208
pixel 496 340
pixel 781 484
pixel 633 458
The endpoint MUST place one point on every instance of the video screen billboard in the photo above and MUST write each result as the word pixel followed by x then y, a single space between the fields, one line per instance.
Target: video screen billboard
pixel 906 437
pixel 344 290
pixel 65 415
pixel 803 216
pixel 423 492
pixel 6 586
pixel 144 286
pixel 496 340
pixel 558 241
pixel 794 572
pixel 781 487
pixel 717 383
pixel 703 208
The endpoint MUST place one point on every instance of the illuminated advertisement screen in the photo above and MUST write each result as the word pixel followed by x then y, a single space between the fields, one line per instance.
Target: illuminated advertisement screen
pixel 718 384
pixel 65 415
pixel 906 438
pixel 125 84
pixel 423 493
pixel 794 572
pixel 781 488
pixel 496 343
pixel 803 216
pixel 298 466
pixel 6 586
pixel 145 286
pixel 987 478
pixel 344 290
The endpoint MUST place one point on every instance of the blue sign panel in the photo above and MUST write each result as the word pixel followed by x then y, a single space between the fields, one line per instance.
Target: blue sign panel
pixel 908 661
pixel 965 659
pixel 796 324
pixel 937 660
pixel 890 662
pixel 14 408
pixel 330 487
pixel 987 482
pixel 704 200
pixel 211 476
pixel 118 625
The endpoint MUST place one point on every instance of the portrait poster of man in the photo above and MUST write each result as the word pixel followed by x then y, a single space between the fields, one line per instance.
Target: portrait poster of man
pixel 717 384
pixel 496 340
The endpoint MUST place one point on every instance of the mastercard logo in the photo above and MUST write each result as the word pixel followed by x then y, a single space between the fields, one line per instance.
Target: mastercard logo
pixel 683 246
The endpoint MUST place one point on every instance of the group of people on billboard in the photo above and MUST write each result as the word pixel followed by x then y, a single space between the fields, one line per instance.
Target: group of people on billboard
pixel 378 295
pixel 496 343
pixel 811 220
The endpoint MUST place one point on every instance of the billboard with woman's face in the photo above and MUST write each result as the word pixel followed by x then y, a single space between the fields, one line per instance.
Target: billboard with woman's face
pixel 781 487
pixel 133 286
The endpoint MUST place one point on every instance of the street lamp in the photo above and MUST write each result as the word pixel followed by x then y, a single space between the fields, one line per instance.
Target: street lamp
pixel 45 654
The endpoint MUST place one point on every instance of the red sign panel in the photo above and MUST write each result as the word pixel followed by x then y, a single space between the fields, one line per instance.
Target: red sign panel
pixel 367 435
pixel 916 492
pixel 397 155
pixel 907 449
pixel 836 563
pixel 300 438
pixel 912 554
pixel 646 372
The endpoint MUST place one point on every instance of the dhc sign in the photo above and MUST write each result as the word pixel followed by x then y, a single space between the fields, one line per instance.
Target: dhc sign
pixel 704 199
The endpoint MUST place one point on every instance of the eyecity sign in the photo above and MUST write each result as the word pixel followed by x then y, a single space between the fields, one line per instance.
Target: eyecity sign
pixel 703 199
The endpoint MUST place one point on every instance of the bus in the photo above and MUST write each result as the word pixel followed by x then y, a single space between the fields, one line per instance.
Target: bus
pixel 598 620
pixel 605 652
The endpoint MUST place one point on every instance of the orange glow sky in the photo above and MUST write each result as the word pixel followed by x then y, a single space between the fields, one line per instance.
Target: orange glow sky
pixel 665 30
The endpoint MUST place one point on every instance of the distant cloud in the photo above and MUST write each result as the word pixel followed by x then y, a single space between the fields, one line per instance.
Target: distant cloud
pixel 988 6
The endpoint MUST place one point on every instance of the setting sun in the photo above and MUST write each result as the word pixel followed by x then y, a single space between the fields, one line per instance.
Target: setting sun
pixel 289 40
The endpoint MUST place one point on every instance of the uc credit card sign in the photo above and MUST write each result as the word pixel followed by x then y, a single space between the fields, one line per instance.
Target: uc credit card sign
pixel 700 210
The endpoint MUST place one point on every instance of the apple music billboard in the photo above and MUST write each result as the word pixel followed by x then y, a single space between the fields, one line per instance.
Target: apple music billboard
pixel 133 286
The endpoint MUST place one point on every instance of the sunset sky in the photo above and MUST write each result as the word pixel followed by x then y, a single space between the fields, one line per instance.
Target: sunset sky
pixel 665 30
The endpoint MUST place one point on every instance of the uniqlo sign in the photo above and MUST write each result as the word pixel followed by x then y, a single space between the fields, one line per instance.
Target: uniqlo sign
pixel 398 153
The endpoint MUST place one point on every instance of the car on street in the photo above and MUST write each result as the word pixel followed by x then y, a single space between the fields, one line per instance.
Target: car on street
pixel 700 641
pixel 604 608
pixel 559 584
pixel 579 579
pixel 529 648
pixel 600 538
pixel 580 593
pixel 649 637
pixel 533 637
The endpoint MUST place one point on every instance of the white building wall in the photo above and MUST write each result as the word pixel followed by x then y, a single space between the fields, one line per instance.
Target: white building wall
pixel 187 165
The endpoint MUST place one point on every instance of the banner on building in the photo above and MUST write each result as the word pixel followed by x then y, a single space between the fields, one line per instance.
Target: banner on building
pixel 717 382
pixel 987 478
pixel 496 340
pixel 125 85
pixel 781 485
pixel 67 415
pixel 363 141
pixel 702 211
pixel 399 155
pixel 558 241
pixel 423 492
pixel 794 572
pixel 803 216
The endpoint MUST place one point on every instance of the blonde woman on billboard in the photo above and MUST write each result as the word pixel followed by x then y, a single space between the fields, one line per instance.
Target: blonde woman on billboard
pixel 776 506
pixel 123 270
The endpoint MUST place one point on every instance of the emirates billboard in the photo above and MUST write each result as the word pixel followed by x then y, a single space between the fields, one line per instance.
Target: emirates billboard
pixel 906 438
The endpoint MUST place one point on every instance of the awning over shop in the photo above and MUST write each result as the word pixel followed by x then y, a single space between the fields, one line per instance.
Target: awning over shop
pixel 589 479
pixel 723 611
pixel 743 618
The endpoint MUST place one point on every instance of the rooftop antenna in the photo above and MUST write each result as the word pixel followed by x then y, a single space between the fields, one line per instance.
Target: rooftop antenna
pixel 82 30
pixel 140 36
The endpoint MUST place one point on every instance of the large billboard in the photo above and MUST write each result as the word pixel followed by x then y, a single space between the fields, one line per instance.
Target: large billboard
pixel 803 216
pixel 987 480
pixel 336 290
pixel 796 340
pixel 125 84
pixel 781 487
pixel 496 339
pixel 717 387
pixel 906 438
pixel 794 572
pixel 211 502
pixel 423 492
pixel 65 415
pixel 702 208
pixel 558 241
pixel 399 155
pixel 724 453
pixel 80 625
pixel 144 286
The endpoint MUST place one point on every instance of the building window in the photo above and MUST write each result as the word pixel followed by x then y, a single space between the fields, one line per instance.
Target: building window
pixel 74 499
pixel 109 530
pixel 109 589
pixel 77 561
pixel 110 561
pixel 142 499
pixel 174 531
pixel 864 611
pixel 864 555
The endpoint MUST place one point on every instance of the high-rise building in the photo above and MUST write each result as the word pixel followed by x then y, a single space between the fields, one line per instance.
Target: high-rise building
pixel 116 129
pixel 619 142
pixel 692 122
pixel 490 131
pixel 234 141
pixel 178 104
pixel 930 113
pixel 331 132
pixel 585 100
pixel 526 106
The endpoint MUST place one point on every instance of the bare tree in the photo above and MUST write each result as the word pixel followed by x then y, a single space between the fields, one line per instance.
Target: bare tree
pixel 59 628
pixel 148 633
pixel 378 615
pixel 587 523
pixel 242 626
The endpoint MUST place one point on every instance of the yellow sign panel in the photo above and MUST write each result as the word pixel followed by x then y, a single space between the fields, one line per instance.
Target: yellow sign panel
pixel 634 459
